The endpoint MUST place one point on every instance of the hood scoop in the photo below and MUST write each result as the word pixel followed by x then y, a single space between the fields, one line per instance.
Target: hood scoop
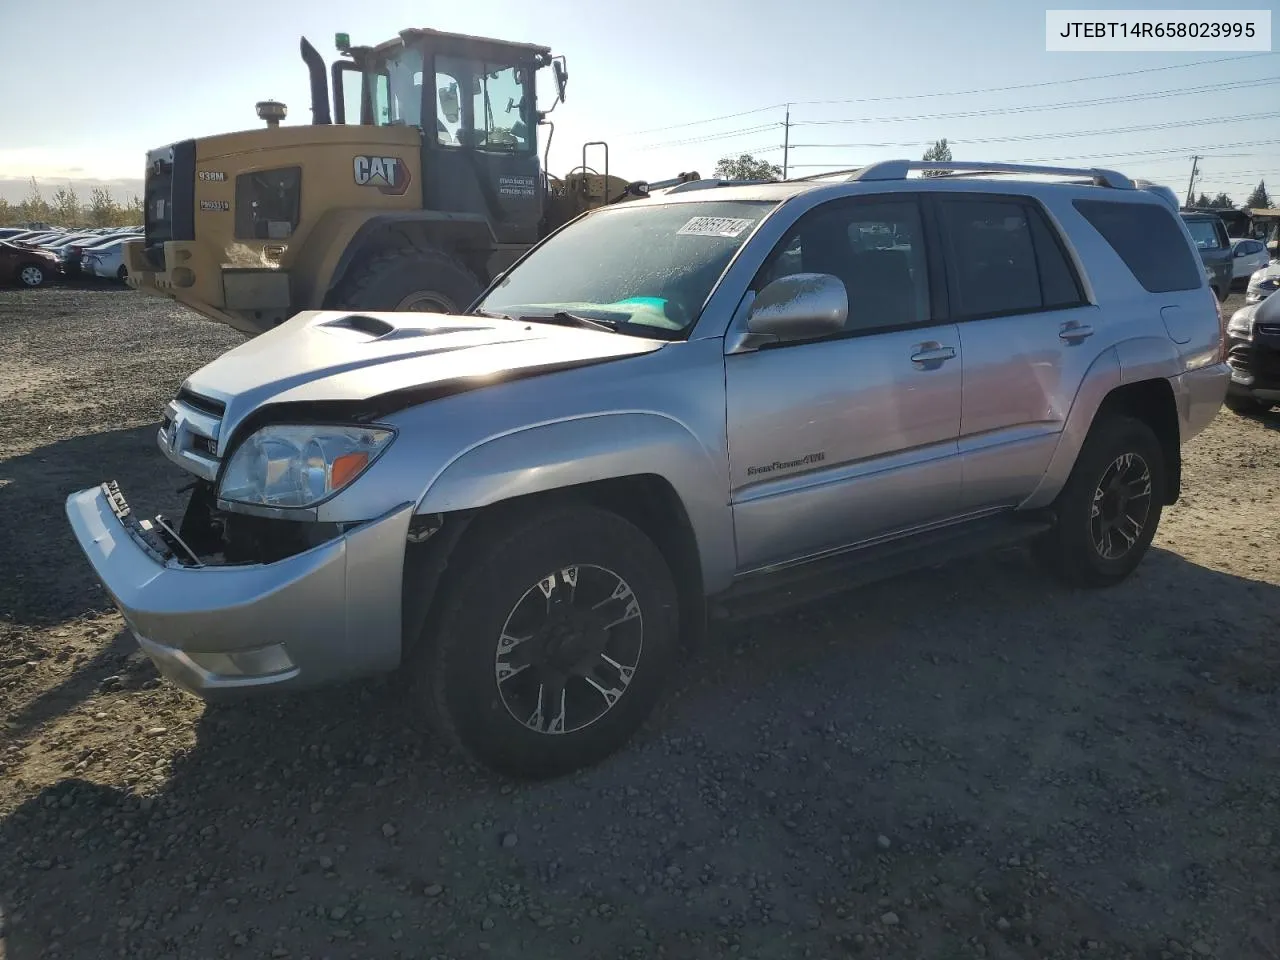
pixel 366 328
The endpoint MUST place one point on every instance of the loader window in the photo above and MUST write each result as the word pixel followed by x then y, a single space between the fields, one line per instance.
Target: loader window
pixel 483 105
pixel 397 90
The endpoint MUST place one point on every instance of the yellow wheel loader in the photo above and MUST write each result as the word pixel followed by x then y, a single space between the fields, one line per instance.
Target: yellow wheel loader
pixel 421 185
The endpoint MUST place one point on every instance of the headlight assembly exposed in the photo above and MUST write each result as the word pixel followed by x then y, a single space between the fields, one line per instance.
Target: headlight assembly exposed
pixel 299 465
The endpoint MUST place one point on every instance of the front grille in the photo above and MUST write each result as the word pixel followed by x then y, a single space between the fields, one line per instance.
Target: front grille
pixel 189 432
pixel 169 198
pixel 1261 361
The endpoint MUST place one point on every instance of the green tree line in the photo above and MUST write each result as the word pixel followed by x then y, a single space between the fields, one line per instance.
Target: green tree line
pixel 65 208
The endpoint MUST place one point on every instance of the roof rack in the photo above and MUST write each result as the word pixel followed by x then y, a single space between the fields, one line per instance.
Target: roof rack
pixel 710 183
pixel 898 170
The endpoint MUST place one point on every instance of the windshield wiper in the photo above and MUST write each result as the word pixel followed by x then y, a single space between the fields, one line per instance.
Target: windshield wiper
pixel 566 319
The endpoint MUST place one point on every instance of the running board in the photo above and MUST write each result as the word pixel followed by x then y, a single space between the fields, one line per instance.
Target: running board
pixel 768 592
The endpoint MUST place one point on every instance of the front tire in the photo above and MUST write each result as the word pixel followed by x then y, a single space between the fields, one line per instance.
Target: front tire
pixel 1108 512
pixel 410 279
pixel 554 643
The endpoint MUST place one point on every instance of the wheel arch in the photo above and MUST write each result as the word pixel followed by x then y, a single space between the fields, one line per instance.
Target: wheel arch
pixel 661 480
pixel 467 237
pixel 1131 378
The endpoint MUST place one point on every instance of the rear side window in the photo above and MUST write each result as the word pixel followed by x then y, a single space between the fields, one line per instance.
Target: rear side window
pixel 1004 259
pixel 1147 239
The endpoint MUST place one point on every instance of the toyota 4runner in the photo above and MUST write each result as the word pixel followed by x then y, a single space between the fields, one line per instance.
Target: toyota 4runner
pixel 704 403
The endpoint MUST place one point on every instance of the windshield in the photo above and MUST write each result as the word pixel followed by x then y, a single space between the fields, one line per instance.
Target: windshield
pixel 652 266
pixel 1205 234
pixel 397 90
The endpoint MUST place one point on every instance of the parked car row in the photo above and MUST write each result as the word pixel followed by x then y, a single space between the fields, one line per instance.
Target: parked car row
pixel 32 258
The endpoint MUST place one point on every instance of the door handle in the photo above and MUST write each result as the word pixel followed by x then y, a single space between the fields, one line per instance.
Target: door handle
pixel 1075 331
pixel 931 355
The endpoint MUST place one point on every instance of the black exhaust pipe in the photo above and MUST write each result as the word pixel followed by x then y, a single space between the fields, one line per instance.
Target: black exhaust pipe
pixel 319 83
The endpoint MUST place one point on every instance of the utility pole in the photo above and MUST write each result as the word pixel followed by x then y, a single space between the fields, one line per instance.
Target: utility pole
pixel 1191 186
pixel 786 141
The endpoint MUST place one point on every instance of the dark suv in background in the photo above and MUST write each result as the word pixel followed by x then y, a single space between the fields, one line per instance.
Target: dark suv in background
pixel 1210 235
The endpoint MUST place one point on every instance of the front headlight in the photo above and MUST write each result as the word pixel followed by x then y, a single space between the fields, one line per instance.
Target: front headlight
pixel 300 465
pixel 1241 324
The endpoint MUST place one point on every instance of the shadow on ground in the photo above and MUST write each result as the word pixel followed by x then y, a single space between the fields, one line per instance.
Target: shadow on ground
pixel 44 578
pixel 1059 773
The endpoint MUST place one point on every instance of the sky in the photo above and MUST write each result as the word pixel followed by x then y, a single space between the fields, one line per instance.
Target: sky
pixel 672 85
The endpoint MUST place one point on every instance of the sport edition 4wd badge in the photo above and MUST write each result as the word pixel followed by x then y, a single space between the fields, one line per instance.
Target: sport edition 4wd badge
pixel 389 174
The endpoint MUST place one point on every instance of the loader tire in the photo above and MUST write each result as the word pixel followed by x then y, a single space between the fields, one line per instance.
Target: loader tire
pixel 409 279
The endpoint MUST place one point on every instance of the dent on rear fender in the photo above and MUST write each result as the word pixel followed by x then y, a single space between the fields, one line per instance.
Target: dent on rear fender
pixel 1147 358
pixel 1103 376
pixel 570 452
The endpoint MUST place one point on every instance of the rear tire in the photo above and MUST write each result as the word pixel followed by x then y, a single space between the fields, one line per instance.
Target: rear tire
pixel 409 279
pixel 1108 512
pixel 123 274
pixel 553 645
pixel 31 275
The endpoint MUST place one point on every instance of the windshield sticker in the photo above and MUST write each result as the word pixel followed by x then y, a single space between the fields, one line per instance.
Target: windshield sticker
pixel 715 227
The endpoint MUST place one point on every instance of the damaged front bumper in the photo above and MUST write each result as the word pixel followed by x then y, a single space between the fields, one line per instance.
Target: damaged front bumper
pixel 326 614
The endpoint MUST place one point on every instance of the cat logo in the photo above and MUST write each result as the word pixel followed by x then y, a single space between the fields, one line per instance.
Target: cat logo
pixel 389 174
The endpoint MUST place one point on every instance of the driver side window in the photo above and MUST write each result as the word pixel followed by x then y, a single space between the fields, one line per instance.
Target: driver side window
pixel 876 249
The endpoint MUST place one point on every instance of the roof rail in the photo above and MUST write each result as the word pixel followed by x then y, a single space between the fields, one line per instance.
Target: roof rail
pixel 898 170
pixel 709 184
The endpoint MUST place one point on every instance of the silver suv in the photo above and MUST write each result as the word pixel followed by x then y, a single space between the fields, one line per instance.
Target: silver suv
pixel 705 403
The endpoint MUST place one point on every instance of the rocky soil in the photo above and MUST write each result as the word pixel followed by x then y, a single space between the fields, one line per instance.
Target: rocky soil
pixel 967 762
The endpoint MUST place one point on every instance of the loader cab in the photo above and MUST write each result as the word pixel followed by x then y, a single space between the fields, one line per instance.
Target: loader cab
pixel 475 101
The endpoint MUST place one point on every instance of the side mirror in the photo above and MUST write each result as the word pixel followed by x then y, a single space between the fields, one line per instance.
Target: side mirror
pixel 449 102
pixel 803 306
pixel 562 77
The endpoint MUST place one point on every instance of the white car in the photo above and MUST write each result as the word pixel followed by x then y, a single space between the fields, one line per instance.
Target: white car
pixel 106 261
pixel 1247 257
pixel 1263 283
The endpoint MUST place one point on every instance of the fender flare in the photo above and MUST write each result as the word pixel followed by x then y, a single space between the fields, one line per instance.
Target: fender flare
pixel 1104 375
pixel 598 447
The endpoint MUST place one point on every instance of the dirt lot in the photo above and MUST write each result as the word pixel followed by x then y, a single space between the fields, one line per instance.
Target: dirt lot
pixel 968 762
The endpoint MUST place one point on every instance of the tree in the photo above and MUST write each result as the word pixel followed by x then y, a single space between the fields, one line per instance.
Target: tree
pixel 133 212
pixel 1222 202
pixel 103 209
pixel 1259 199
pixel 747 167
pixel 8 213
pixel 34 208
pixel 66 206
pixel 939 151
pixel 1203 201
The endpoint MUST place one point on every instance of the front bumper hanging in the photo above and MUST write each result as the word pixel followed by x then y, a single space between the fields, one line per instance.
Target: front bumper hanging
pixel 326 614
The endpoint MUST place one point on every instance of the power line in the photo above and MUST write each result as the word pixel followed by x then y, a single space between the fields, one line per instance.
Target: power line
pixel 948 93
pixel 1123 98
pixel 1044 83
pixel 1067 105
pixel 1047 136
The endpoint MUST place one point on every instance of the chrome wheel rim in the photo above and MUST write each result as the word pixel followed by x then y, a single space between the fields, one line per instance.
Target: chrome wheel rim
pixel 569 649
pixel 1121 506
pixel 32 276
pixel 427 303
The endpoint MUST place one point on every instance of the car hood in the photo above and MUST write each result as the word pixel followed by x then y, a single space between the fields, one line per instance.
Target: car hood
pixel 379 362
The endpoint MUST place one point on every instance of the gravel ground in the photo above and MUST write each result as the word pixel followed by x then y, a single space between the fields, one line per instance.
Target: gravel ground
pixel 967 762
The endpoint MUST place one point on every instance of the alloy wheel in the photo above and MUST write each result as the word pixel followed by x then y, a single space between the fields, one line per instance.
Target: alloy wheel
pixel 1121 506
pixel 569 649
pixel 31 276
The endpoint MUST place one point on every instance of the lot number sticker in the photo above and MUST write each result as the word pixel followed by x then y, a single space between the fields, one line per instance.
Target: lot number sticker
pixel 714 227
